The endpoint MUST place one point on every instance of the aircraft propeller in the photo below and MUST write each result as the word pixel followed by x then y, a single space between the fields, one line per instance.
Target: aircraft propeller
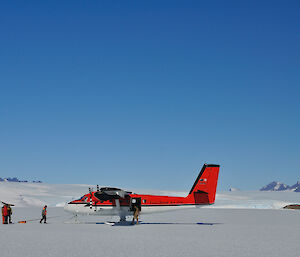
pixel 91 201
pixel 106 193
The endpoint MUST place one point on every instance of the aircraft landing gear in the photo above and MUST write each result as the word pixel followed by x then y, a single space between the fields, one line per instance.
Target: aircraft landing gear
pixel 122 219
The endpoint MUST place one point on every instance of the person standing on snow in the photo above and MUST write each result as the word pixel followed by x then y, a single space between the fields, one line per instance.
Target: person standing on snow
pixel 4 214
pixel 136 213
pixel 44 215
pixel 9 213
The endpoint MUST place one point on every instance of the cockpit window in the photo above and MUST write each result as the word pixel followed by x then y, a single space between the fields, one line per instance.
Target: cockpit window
pixel 83 199
pixel 104 197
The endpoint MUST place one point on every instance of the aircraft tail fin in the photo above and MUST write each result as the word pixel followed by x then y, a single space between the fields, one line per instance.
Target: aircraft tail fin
pixel 204 189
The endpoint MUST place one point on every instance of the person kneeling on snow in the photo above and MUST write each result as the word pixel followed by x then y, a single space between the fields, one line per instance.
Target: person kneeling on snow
pixel 44 214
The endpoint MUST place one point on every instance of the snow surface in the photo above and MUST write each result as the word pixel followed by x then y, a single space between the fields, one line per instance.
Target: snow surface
pixel 240 224
pixel 255 199
pixel 39 194
pixel 193 232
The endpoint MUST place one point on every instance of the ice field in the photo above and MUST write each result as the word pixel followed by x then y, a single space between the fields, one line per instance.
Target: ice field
pixel 196 232
pixel 240 224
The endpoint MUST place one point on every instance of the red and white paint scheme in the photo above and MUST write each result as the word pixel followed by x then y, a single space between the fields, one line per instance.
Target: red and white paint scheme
pixel 108 201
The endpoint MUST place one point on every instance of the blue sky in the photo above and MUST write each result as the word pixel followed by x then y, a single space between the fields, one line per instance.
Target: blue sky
pixel 140 94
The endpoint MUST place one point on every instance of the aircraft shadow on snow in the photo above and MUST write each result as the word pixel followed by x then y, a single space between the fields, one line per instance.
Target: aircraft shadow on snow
pixel 157 223
pixel 178 223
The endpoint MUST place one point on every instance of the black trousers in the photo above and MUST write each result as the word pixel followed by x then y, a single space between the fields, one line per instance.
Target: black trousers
pixel 44 218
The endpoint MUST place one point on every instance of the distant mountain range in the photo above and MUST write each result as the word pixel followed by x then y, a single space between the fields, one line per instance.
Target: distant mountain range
pixel 17 180
pixel 278 186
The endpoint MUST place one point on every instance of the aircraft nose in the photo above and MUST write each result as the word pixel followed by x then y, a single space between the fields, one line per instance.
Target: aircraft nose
pixel 69 207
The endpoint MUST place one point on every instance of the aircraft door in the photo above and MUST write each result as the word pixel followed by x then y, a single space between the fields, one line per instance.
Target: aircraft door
pixel 136 201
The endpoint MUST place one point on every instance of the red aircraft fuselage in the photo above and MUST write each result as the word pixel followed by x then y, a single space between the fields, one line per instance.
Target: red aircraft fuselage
pixel 114 201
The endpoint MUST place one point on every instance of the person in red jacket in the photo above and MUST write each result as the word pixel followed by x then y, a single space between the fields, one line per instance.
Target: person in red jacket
pixel 44 214
pixel 4 214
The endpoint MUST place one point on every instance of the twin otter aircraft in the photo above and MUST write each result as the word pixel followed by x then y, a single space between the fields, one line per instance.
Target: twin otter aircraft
pixel 108 201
